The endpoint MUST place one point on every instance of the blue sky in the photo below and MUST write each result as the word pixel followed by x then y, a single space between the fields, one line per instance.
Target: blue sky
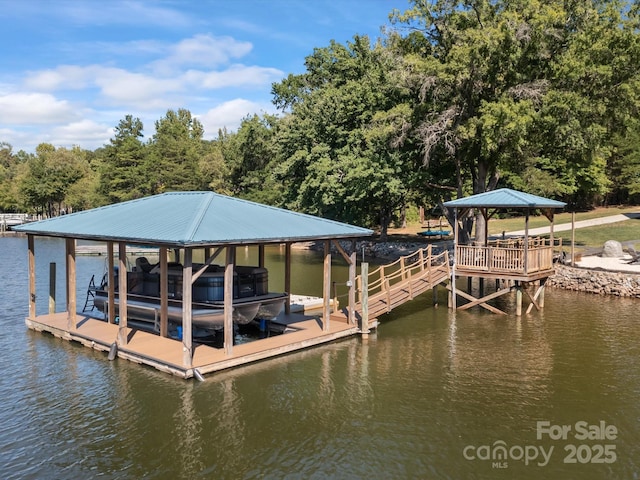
pixel 72 69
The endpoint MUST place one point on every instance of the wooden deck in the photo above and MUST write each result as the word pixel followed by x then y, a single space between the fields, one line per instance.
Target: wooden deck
pixel 507 260
pixel 166 354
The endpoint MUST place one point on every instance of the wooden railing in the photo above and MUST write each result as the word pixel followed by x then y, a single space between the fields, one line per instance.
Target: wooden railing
pixel 419 263
pixel 504 257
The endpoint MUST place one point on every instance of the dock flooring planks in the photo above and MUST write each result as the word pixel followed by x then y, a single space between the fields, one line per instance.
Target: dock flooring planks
pixel 166 354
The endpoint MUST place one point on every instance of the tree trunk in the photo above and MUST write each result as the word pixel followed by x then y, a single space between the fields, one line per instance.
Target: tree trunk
pixel 385 219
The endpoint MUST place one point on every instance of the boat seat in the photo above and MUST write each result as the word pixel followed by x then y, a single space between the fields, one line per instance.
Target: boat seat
pixel 143 265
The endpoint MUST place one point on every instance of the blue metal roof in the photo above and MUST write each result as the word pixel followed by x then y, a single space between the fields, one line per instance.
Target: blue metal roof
pixel 504 198
pixel 192 218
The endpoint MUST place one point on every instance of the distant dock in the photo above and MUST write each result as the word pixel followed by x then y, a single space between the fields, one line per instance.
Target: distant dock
pixel 99 249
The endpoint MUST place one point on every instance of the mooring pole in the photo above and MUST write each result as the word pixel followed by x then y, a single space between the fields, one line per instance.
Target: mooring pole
pixel 364 298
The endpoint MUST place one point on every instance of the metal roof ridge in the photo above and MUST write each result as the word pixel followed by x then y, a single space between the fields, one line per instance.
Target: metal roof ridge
pixel 197 220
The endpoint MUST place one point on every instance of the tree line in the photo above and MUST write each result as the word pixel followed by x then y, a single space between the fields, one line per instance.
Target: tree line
pixel 458 97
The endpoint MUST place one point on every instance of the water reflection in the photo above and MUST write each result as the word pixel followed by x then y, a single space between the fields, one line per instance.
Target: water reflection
pixel 401 404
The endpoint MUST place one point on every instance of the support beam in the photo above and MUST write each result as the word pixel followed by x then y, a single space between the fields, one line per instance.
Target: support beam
pixel 123 288
pixel 261 256
pixel 287 273
pixel 111 287
pixel 228 300
pixel 326 290
pixel 538 298
pixel 482 301
pixel 187 308
pixel 519 298
pixel 351 261
pixel 352 285
pixel 164 292
pixel 453 301
pixel 32 277
pixel 71 283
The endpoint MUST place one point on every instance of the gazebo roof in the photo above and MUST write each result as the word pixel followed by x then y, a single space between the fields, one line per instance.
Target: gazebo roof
pixel 191 219
pixel 504 198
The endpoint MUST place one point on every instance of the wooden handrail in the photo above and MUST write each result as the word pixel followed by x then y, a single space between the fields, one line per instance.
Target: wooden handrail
pixel 382 279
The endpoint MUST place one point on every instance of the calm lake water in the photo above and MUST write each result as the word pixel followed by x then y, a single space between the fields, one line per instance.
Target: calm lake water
pixel 433 394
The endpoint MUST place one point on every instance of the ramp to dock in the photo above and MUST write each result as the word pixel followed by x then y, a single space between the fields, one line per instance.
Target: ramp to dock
pixel 392 285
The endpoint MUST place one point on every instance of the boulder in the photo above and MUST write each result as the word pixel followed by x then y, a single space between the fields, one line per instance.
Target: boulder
pixel 612 249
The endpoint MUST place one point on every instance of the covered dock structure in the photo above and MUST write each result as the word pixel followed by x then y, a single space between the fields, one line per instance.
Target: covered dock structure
pixel 511 262
pixel 181 223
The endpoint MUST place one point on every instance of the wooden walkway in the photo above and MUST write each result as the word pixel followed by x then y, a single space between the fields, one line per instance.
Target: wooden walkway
pixel 390 286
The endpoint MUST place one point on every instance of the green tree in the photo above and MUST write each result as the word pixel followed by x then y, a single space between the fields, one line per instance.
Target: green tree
pixel 518 89
pixel 175 152
pixel 122 174
pixel 9 169
pixel 250 155
pixel 49 175
pixel 335 148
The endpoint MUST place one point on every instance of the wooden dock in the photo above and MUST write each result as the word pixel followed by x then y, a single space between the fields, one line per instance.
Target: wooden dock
pixel 387 287
pixel 166 354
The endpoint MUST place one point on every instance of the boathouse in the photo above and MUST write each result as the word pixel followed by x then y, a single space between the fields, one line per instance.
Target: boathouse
pixel 514 262
pixel 181 223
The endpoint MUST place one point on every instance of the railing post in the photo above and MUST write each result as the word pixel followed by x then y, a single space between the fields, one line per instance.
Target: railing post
pixel 364 289
pixel 388 289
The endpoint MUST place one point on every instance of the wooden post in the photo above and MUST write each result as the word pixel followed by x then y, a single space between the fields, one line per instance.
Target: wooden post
pixel 164 293
pixel 32 277
pixel 352 285
pixel 526 242
pixel 452 295
pixel 71 283
pixel 52 288
pixel 518 299
pixel 573 239
pixel 435 295
pixel 123 288
pixel 543 284
pixel 187 308
pixel 228 301
pixel 287 274
pixel 261 256
pixel 364 298
pixel 111 287
pixel 326 291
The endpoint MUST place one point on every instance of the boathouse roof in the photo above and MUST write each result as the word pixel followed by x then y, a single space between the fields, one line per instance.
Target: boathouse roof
pixel 191 219
pixel 504 198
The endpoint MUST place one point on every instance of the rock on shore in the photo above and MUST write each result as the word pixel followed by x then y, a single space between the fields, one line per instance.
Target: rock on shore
pixel 595 281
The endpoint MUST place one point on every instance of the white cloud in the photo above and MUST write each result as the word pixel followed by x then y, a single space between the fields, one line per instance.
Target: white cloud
pixel 85 133
pixel 201 51
pixel 229 115
pixel 235 76
pixel 63 77
pixel 141 91
pixel 34 108
pixel 137 90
